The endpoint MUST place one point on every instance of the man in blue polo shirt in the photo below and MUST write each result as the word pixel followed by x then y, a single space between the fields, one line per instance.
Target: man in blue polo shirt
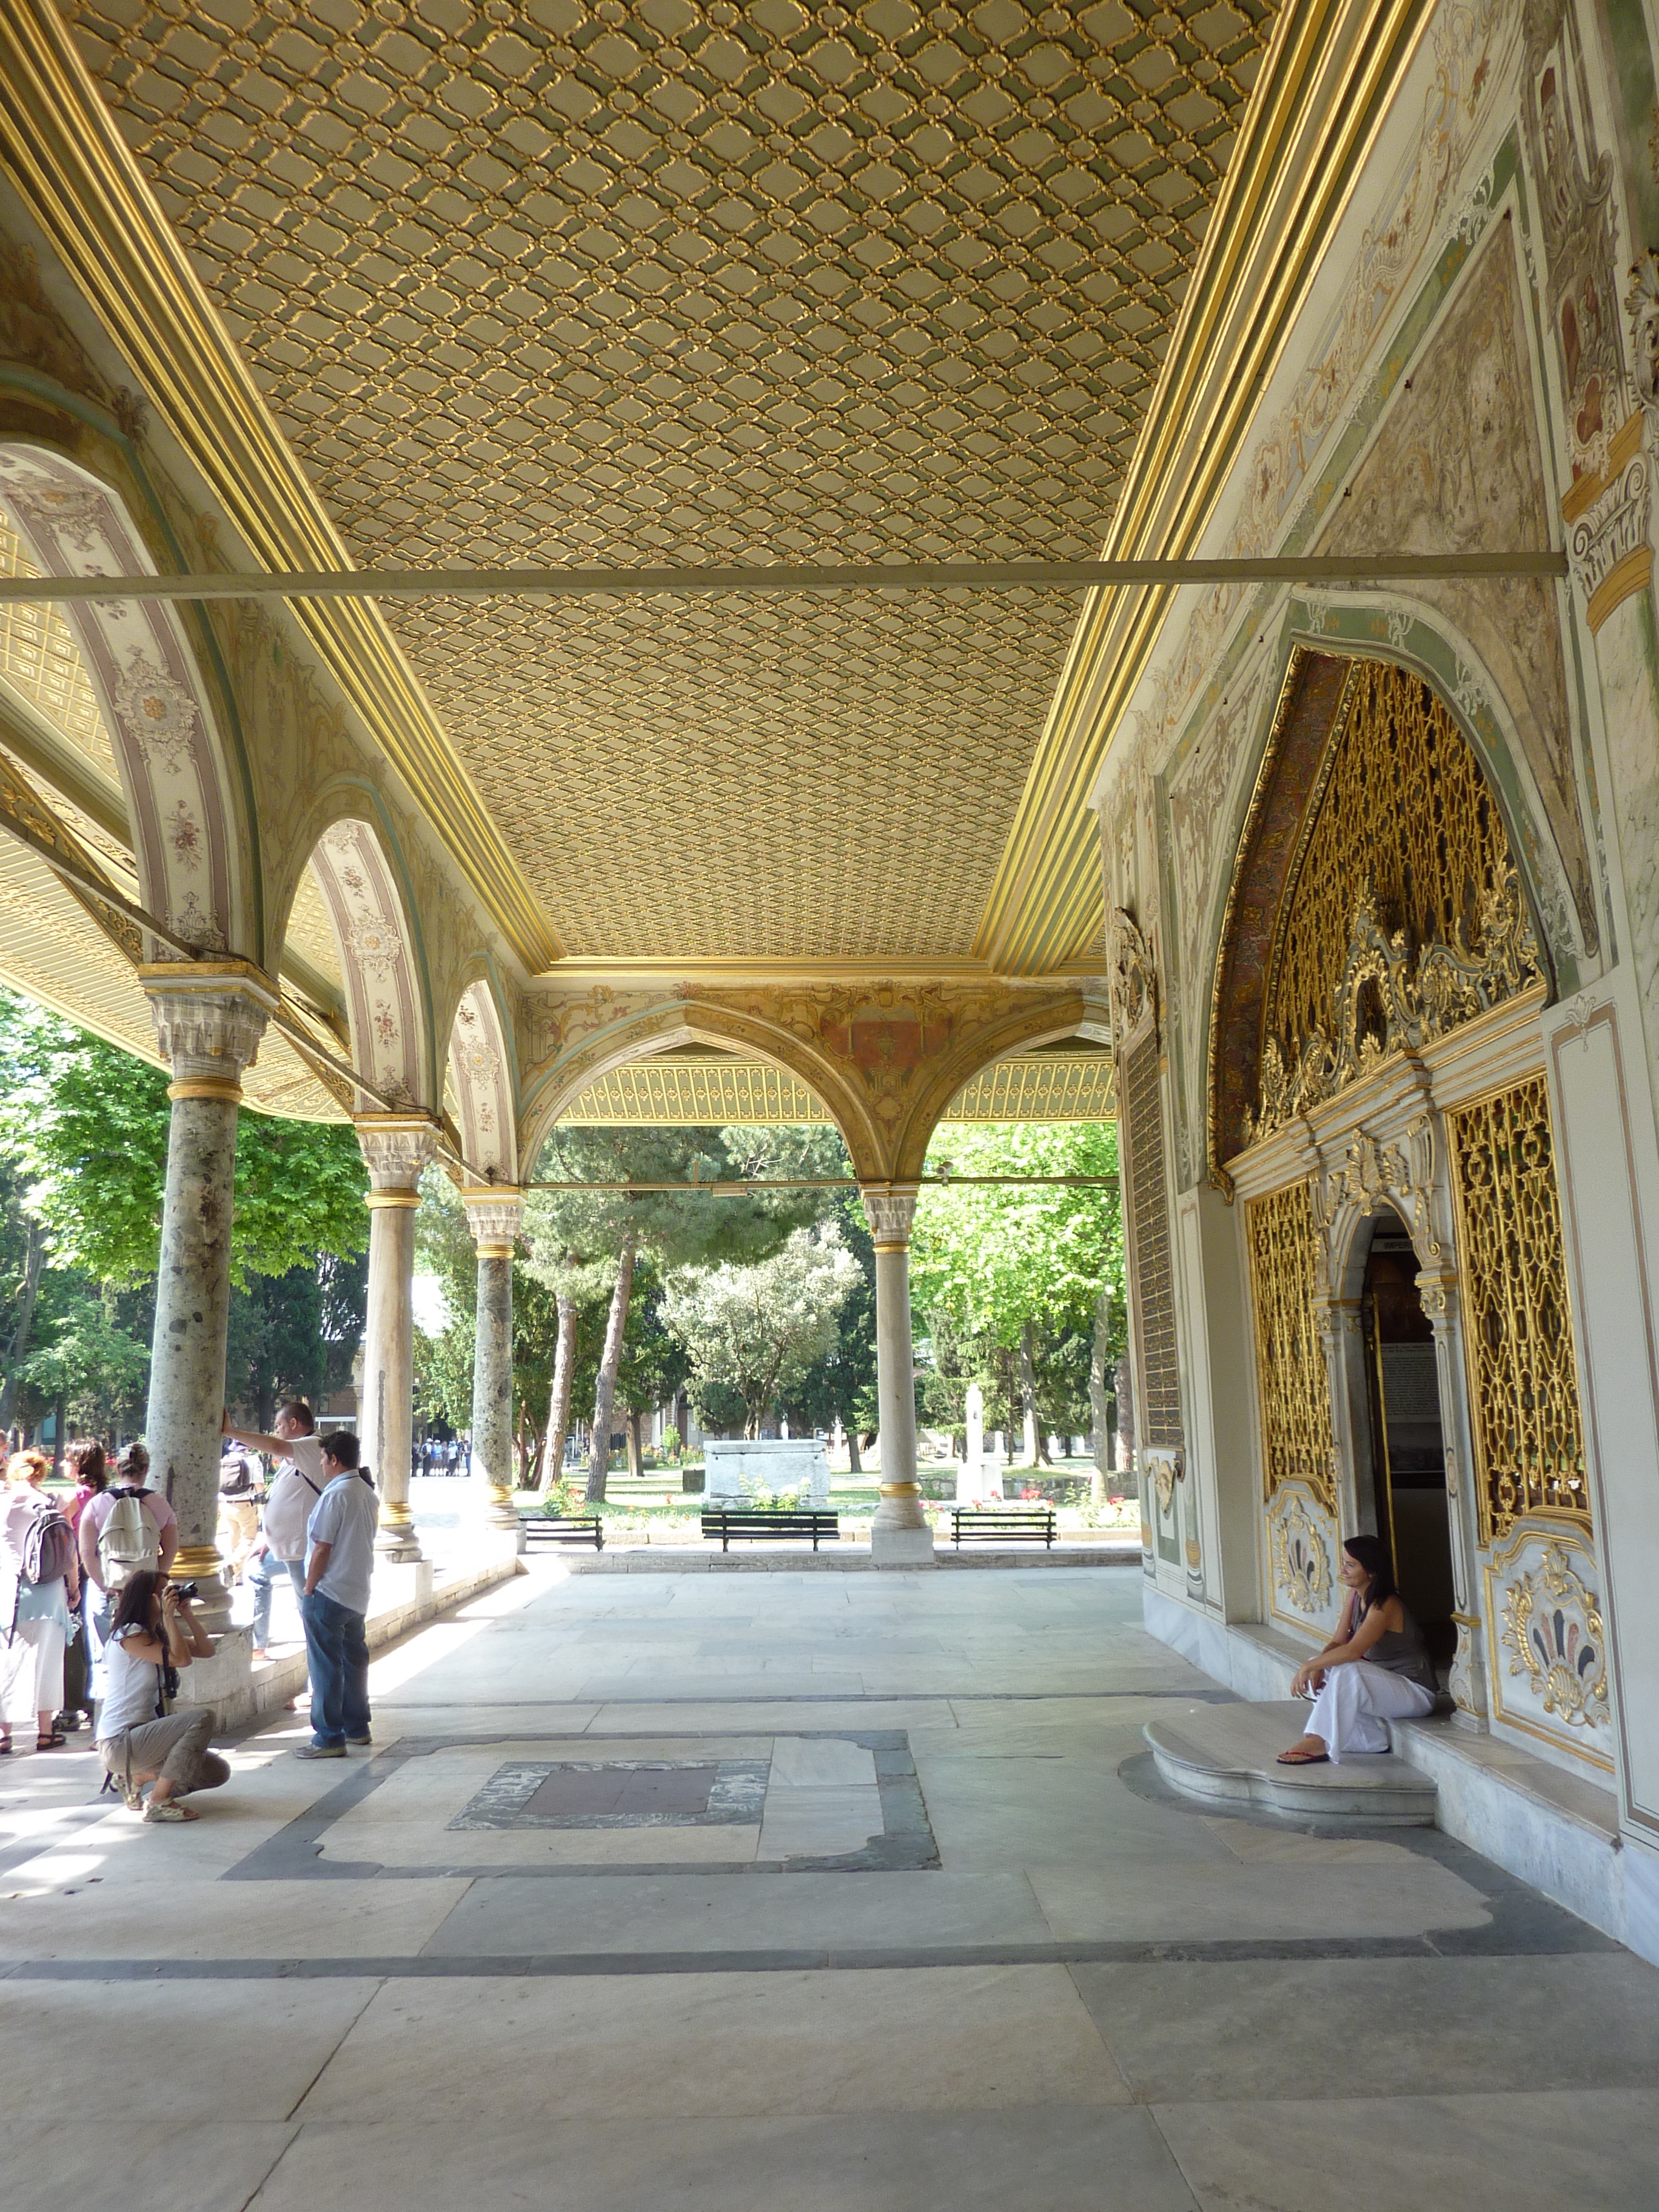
pixel 339 1560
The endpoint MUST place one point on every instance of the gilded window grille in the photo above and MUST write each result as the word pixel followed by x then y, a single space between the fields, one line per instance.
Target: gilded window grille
pixel 1292 1380
pixel 1517 1328
pixel 1402 914
pixel 1151 1271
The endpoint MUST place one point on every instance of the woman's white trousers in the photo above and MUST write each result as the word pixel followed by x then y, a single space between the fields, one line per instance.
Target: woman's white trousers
pixel 1348 1713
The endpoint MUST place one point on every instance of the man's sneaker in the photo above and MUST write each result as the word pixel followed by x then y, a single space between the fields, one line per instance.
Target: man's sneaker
pixel 320 1751
pixel 363 1743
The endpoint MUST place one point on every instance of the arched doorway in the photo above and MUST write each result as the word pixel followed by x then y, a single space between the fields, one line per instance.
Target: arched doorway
pixel 1408 1453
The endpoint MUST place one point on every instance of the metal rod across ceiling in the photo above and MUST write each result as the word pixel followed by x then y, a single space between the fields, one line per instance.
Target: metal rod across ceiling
pixel 907 576
pixel 826 1182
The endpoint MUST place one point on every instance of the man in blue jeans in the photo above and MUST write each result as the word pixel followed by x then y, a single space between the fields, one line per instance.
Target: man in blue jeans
pixel 338 1565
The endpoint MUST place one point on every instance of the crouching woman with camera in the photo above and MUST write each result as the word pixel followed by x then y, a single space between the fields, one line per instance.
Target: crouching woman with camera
pixel 153 1632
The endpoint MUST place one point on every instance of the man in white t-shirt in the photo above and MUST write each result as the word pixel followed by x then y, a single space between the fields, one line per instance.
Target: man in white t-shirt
pixel 334 1605
pixel 280 1548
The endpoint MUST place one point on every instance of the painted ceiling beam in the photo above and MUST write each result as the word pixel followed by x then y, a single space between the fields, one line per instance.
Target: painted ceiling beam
pixel 911 576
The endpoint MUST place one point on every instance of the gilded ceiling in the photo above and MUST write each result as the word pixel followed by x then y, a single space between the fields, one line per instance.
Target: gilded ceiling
pixel 543 283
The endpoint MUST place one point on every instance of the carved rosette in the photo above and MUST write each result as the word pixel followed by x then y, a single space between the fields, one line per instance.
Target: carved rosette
pixel 1554 1635
pixel 494 1215
pixel 1302 1569
pixel 890 1209
pixel 396 1148
pixel 208 1018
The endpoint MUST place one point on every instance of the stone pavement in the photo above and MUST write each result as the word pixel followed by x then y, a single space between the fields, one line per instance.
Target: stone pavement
pixel 851 1893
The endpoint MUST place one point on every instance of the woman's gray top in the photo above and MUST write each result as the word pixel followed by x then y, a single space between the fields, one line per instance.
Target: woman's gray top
pixel 1402 1651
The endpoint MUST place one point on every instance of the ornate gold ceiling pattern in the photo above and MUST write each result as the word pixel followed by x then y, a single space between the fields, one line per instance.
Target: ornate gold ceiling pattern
pixel 39 658
pixel 673 1092
pixel 543 283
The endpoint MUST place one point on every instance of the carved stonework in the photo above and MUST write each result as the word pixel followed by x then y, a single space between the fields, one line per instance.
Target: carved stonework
pixel 1642 305
pixel 891 1210
pixel 1135 980
pixel 1390 998
pixel 396 1148
pixel 1553 1633
pixel 494 1216
pixel 1299 1541
pixel 209 1020
pixel 1574 183
pixel 1166 1467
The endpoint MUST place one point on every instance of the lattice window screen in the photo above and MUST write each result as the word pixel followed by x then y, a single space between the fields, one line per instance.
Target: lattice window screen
pixel 1517 1328
pixel 1157 1417
pixel 1292 1380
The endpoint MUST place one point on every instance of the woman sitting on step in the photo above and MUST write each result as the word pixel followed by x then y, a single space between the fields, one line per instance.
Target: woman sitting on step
pixel 1375 1667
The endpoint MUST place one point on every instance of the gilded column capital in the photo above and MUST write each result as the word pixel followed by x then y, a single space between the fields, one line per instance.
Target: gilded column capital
pixel 396 1147
pixel 890 1208
pixel 494 1212
pixel 209 1016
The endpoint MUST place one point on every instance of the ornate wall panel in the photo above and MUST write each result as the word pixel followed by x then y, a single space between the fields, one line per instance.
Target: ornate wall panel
pixel 1151 1269
pixel 1292 1382
pixel 1403 914
pixel 1376 903
pixel 1518 1331
pixel 1549 1672
pixel 1301 1552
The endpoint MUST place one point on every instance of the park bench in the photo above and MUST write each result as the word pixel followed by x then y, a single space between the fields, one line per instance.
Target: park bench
pixel 994 1524
pixel 542 1528
pixel 760 1522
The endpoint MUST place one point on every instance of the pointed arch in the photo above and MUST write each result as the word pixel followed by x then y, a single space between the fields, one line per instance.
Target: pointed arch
pixel 480 1076
pixel 664 1028
pixel 167 747
pixel 1379 895
pixel 385 1003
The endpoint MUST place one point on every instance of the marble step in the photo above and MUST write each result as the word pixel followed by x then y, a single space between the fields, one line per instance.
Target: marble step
pixel 1226 1755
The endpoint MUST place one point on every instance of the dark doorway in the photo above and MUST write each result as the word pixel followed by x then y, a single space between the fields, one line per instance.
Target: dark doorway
pixel 1408 1455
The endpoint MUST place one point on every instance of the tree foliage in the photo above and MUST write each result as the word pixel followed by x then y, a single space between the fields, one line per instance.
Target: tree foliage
pixel 753 1332
pixel 86 1124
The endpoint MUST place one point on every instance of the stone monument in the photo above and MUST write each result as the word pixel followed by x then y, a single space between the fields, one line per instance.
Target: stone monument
pixel 968 1478
pixel 736 1467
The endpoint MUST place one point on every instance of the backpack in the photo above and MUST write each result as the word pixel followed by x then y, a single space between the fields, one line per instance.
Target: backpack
pixel 48 1545
pixel 128 1542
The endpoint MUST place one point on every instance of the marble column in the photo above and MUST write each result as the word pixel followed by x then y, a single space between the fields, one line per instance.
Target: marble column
pixel 208 1018
pixel 396 1147
pixel 493 1214
pixel 900 1536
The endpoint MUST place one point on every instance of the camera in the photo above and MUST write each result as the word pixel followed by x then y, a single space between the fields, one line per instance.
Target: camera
pixel 188 1590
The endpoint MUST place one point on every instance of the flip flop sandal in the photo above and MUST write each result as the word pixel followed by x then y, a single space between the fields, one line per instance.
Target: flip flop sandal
pixel 51 1742
pixel 1308 1759
pixel 166 1810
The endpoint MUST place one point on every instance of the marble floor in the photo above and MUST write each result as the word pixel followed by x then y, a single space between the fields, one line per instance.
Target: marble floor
pixel 818 1894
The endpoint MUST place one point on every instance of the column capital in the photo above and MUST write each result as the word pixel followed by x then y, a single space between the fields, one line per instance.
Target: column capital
pixel 395 1149
pixel 890 1208
pixel 494 1211
pixel 209 1016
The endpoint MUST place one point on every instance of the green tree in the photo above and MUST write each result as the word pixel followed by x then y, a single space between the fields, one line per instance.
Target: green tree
pixel 571 1232
pixel 841 1385
pixel 754 1331
pixel 86 1125
pixel 1021 1280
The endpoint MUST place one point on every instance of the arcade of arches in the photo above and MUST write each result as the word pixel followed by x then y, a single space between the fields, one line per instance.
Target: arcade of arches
pixel 1342 895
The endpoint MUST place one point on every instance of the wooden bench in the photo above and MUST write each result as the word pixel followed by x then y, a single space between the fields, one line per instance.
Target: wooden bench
pixel 542 1528
pixel 991 1524
pixel 758 1522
